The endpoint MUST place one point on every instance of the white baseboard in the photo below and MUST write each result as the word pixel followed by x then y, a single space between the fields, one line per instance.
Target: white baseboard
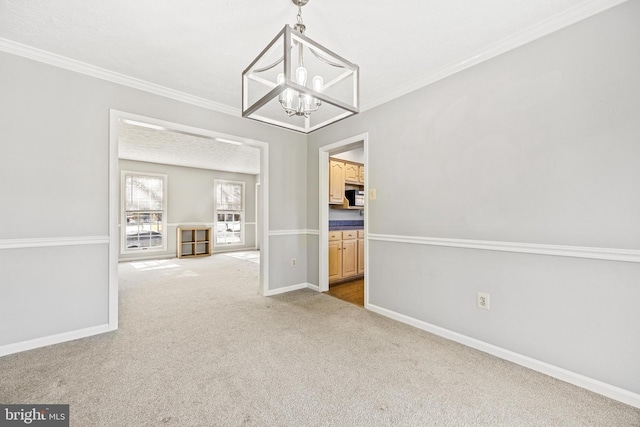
pixel 52 339
pixel 582 381
pixel 313 287
pixel 285 289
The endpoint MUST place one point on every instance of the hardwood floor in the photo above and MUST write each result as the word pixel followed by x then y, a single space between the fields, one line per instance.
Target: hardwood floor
pixel 352 292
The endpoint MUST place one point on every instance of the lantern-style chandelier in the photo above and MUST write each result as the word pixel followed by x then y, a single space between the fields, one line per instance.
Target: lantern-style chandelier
pixel 277 87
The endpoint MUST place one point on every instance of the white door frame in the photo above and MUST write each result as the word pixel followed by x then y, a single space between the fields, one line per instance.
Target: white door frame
pixel 324 153
pixel 115 117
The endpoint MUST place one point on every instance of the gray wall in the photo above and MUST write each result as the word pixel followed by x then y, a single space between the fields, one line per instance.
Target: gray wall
pixel 190 200
pixel 55 156
pixel 538 145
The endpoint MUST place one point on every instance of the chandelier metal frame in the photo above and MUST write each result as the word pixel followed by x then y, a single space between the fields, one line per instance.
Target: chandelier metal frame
pixel 299 104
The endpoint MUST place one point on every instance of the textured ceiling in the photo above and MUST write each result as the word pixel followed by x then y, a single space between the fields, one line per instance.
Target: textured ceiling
pixel 173 148
pixel 199 48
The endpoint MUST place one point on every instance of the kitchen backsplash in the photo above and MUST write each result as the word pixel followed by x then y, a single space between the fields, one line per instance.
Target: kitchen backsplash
pixel 346 224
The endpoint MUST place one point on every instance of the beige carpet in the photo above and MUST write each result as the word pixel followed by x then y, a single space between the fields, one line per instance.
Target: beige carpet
pixel 197 346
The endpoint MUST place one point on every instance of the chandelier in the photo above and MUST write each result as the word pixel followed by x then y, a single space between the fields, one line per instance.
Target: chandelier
pixel 299 84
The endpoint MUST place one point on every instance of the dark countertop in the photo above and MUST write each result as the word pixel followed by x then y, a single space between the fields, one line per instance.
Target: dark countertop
pixel 339 225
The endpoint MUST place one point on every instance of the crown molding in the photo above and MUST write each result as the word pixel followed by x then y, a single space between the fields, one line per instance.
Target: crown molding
pixel 60 61
pixel 525 36
pixel 518 39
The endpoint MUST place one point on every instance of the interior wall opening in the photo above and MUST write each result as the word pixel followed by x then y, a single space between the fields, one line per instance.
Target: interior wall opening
pixel 181 192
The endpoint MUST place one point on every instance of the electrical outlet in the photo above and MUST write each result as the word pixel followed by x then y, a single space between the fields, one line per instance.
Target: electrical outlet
pixel 483 301
pixel 372 194
pixel 293 262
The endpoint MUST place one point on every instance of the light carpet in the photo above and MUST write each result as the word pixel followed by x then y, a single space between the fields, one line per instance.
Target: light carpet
pixel 198 346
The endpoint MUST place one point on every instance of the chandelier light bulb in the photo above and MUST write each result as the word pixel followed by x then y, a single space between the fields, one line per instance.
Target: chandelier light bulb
pixel 280 78
pixel 288 97
pixel 308 100
pixel 301 76
pixel 317 83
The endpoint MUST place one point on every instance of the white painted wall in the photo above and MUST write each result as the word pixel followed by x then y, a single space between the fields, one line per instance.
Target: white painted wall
pixel 190 200
pixel 55 173
pixel 538 145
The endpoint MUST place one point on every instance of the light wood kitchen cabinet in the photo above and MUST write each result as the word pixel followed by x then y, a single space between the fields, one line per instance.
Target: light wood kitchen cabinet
pixel 349 254
pixel 345 253
pixel 351 173
pixel 344 175
pixel 335 255
pixel 336 182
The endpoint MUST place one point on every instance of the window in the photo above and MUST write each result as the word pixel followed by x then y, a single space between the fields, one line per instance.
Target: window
pixel 229 229
pixel 144 205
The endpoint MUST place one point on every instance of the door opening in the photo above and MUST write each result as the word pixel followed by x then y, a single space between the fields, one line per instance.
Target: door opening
pixel 343 246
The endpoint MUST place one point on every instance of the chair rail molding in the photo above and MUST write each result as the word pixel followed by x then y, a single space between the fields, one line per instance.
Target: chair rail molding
pixel 44 242
pixel 292 232
pixel 607 254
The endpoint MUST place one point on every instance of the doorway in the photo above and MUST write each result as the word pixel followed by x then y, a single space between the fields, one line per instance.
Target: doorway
pixel 335 222
pixel 117 118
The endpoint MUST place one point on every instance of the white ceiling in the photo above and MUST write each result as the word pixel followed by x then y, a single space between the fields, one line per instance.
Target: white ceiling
pixel 196 50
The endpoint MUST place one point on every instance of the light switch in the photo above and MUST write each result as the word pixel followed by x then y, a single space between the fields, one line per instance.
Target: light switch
pixel 372 194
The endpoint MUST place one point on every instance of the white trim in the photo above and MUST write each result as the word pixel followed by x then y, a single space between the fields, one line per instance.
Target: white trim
pixel 367 171
pixel 527 35
pixel 45 242
pixel 291 232
pixel 313 287
pixel 286 289
pixel 607 254
pixel 52 339
pixel 114 215
pixel 60 61
pixel 570 377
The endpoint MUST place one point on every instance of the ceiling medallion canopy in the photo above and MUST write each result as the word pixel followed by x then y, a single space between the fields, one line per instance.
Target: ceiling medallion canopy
pixel 299 84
